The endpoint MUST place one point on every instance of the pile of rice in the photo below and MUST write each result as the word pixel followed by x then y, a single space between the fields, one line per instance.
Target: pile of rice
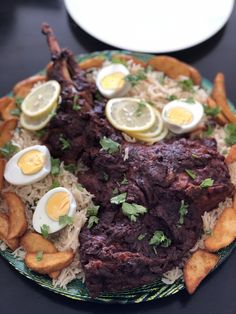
pixel 156 89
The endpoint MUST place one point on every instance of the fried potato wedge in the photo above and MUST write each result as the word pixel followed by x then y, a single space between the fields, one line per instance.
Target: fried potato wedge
pixel 220 118
pixel 13 244
pixel 219 95
pixel 231 157
pixel 123 57
pixel 197 268
pixel 50 262
pixel 95 62
pixel 33 242
pixel 234 202
pixel 4 102
pixel 6 129
pixel 17 218
pixel 7 112
pixel 195 75
pixel 170 66
pixel 224 231
pixel 2 168
pixel 54 275
pixel 23 88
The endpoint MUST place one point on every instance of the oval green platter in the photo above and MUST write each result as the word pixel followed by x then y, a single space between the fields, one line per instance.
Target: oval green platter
pixel 76 289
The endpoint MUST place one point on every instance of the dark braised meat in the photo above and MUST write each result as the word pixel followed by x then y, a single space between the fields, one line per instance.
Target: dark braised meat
pixel 116 253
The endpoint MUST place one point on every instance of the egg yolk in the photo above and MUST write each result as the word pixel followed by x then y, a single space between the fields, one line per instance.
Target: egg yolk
pixel 31 162
pixel 179 116
pixel 58 205
pixel 113 81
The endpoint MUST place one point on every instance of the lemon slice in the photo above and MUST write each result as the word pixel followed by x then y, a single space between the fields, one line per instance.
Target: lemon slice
pixel 41 99
pixel 35 124
pixel 152 140
pixel 130 114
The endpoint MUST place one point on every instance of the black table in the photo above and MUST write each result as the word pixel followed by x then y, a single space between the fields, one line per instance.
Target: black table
pixel 23 52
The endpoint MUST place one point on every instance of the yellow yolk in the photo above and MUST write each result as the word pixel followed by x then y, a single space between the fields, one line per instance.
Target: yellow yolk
pixel 179 116
pixel 31 162
pixel 113 81
pixel 58 205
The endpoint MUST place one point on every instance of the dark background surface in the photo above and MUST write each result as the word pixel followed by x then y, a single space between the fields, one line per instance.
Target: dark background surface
pixel 22 53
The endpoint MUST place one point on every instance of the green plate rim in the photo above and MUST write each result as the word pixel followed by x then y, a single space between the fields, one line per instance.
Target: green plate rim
pixel 77 290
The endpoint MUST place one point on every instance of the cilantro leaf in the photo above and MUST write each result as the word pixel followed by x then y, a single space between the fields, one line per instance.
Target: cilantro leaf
pixel 55 166
pixel 15 112
pixel 109 145
pixel 18 101
pixel 76 106
pixel 206 183
pixel 209 131
pixel 183 210
pixel 118 60
pixel 39 256
pixel 141 236
pixel 141 106
pixel 118 199
pixel 71 168
pixel 115 191
pixel 80 187
pixel 93 210
pixel 132 211
pixel 134 79
pixel 40 133
pixel 187 85
pixel 190 100
pixel 44 230
pixel 65 143
pixel 66 220
pixel 8 149
pixel 211 111
pixel 191 173
pixel 230 130
pixel 55 184
pixel 172 97
pixel 159 238
pixel 92 220
pixel 124 181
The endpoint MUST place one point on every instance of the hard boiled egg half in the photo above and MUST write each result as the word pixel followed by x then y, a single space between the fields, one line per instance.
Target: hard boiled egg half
pixel 28 166
pixel 54 204
pixel 182 116
pixel 111 81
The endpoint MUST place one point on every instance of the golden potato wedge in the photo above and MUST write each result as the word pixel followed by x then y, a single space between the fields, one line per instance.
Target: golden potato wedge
pixel 54 275
pixel 4 102
pixel 220 118
pixel 13 244
pixel 6 129
pixel 231 157
pixel 234 202
pixel 219 95
pixel 195 75
pixel 33 242
pixel 170 66
pixel 123 57
pixel 7 112
pixel 95 62
pixel 17 218
pixel 197 268
pixel 224 231
pixel 2 168
pixel 23 88
pixel 50 262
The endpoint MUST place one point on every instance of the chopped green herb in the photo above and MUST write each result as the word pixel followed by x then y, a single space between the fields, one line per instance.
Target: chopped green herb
pixel 115 191
pixel 55 184
pixel 65 143
pixel 39 256
pixel 125 180
pixel 109 145
pixel 209 232
pixel 187 85
pixel 141 236
pixel 209 131
pixel 135 79
pixel 75 106
pixel 206 183
pixel 224 152
pixel 132 211
pixel 117 60
pixel 15 112
pixel 40 133
pixel 93 210
pixel 191 173
pixel 195 156
pixel 80 187
pixel 211 111
pixel 71 168
pixel 118 199
pixel 65 220
pixel 190 100
pixel 8 149
pixel 230 130
pixel 44 230
pixel 183 210
pixel 172 97
pixel 18 101
pixel 92 220
pixel 98 96
pixel 55 166
pixel 159 238
pixel 141 106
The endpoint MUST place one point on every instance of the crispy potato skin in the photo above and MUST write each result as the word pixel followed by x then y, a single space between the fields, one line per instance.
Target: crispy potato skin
pixel 2 168
pixel 95 62
pixel 219 95
pixel 54 275
pixel 6 129
pixel 17 218
pixel 33 242
pixel 51 262
pixel 224 231
pixel 6 113
pixel 197 268
pixel 22 88
pixel 4 227
pixel 195 75
pixel 220 118
pixel 231 157
pixel 128 58
pixel 4 102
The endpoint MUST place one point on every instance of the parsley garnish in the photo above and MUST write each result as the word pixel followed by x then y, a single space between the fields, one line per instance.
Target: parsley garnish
pixel 70 167
pixel 187 85
pixel 135 79
pixel 93 210
pixel 118 199
pixel 40 133
pixel 115 191
pixel 125 180
pixel 118 60
pixel 209 131
pixel 105 176
pixel 92 213
pixel 18 101
pixel 230 130
pixel 206 183
pixel 190 100
pixel 65 220
pixel 39 256
pixel 183 210
pixel 132 211
pixel 172 97
pixel 65 143
pixel 92 220
pixel 8 149
pixel 44 230
pixel 195 156
pixel 141 236
pixel 191 173
pixel 55 184
pixel 159 238
pixel 109 145
pixel 55 166
pixel 75 106
pixel 15 112
pixel 211 111
pixel 139 110
pixel 80 187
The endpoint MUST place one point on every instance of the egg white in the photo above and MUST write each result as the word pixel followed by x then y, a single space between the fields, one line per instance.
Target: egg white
pixel 113 68
pixel 40 216
pixel 15 176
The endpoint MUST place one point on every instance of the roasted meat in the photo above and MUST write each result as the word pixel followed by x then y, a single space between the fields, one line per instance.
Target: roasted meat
pixel 118 253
